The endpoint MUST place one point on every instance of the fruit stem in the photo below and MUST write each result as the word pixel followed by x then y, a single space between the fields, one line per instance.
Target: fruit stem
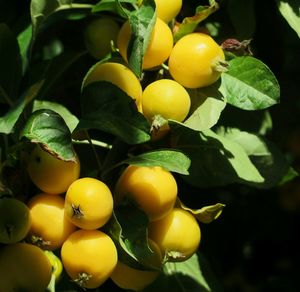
pixel 39 241
pixel 220 66
pixel 157 122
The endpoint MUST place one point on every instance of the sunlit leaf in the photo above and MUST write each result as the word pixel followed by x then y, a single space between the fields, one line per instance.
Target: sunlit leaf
pixel 290 10
pixel 206 107
pixel 171 160
pixel 206 214
pixel 49 129
pixel 189 24
pixel 249 84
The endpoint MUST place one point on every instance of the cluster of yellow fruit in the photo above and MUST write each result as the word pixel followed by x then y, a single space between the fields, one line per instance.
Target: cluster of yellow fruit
pixel 68 216
pixel 194 61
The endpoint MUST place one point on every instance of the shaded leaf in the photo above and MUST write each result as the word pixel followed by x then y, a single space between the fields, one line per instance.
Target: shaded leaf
pixel 215 160
pixel 107 108
pixel 249 84
pixel 10 65
pixel 49 129
pixel 41 10
pixel 24 40
pixel 233 117
pixel 113 6
pixel 192 275
pixel 57 67
pixel 128 229
pixel 171 160
pixel 289 176
pixel 9 120
pixel 267 158
pixel 242 15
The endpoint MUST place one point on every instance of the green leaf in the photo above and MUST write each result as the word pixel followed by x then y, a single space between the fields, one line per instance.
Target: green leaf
pixel 107 108
pixel 9 120
pixel 189 24
pixel 207 105
pixel 10 65
pixel 206 214
pixel 249 84
pixel 289 176
pixel 56 69
pixel 171 160
pixel 215 160
pixel 192 275
pixel 42 10
pixel 49 129
pixel 266 157
pixel 68 117
pixel 251 143
pixel 24 40
pixel 128 229
pixel 233 117
pixel 141 23
pixel 113 6
pixel 290 10
pixel 242 15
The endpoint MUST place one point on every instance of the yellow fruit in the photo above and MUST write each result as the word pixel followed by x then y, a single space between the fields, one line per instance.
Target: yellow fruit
pixel 24 267
pixel 89 257
pixel 167 98
pixel 178 234
pixel 49 174
pixel 129 278
pixel 15 220
pixel 168 9
pixel 49 227
pixel 154 189
pixel 119 75
pixel 88 203
pixel 194 60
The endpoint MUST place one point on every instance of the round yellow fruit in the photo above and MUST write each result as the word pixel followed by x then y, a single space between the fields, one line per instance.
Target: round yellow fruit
pixel 195 59
pixel 49 227
pixel 153 189
pixel 178 234
pixel 15 220
pixel 24 267
pixel 50 174
pixel 167 98
pixel 88 203
pixel 89 257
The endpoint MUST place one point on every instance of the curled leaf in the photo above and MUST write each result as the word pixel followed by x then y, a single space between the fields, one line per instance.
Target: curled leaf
pixel 206 214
